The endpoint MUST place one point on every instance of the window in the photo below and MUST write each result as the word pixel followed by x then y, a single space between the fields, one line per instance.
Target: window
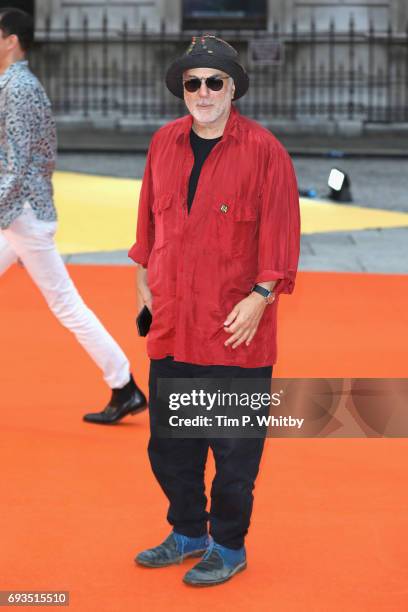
pixel 224 14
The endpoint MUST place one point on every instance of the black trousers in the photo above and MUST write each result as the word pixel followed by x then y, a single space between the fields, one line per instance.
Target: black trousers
pixel 179 464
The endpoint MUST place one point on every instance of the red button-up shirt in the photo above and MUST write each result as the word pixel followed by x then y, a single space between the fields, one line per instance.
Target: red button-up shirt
pixel 243 228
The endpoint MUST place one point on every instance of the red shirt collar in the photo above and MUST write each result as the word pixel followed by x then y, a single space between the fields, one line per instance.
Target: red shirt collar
pixel 231 129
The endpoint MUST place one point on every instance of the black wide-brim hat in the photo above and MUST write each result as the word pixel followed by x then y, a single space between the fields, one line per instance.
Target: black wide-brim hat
pixel 208 51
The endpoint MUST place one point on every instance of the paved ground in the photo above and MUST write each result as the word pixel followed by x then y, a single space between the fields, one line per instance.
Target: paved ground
pixel 376 183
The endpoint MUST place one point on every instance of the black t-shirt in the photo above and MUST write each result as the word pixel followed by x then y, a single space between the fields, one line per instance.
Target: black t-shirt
pixel 201 148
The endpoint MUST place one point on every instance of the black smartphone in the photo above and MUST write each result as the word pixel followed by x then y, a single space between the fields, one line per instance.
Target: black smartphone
pixel 143 321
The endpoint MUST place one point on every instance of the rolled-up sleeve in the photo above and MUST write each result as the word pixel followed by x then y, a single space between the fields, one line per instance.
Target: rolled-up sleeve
pixel 279 232
pixel 140 251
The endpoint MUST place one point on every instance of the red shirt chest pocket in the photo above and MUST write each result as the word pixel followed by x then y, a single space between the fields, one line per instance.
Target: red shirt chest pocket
pixel 163 211
pixel 234 226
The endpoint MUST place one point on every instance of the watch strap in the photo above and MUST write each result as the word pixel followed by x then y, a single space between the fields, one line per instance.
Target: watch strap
pixel 262 291
pixel 268 296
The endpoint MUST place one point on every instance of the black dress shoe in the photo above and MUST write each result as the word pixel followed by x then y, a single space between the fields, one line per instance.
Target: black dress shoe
pixel 128 400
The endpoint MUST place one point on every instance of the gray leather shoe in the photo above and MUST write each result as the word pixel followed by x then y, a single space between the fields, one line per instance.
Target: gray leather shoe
pixel 174 549
pixel 214 568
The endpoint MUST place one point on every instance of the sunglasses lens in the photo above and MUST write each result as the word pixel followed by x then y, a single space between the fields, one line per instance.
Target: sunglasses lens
pixel 214 84
pixel 192 85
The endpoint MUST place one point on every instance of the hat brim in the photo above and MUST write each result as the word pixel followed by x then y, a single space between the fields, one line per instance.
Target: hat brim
pixel 174 75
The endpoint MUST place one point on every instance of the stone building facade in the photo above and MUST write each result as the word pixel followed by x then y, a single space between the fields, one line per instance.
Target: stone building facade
pixel 103 59
pixel 177 14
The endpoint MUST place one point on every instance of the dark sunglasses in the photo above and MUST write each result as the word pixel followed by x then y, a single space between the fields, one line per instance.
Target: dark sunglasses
pixel 214 83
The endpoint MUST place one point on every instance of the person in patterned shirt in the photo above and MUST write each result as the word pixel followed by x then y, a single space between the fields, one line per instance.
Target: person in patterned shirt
pixel 28 217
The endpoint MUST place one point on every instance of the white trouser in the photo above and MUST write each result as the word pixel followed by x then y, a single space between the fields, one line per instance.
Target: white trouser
pixel 32 241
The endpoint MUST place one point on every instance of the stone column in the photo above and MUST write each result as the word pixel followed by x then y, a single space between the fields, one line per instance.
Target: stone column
pixel 399 15
pixel 280 11
pixel 171 13
pixel 45 8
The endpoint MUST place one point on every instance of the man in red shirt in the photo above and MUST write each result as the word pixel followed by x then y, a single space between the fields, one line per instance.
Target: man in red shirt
pixel 217 242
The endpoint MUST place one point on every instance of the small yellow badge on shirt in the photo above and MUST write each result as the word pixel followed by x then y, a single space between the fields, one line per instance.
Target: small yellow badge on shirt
pixel 223 208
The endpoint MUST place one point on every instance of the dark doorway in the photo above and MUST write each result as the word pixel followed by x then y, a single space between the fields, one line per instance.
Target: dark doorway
pixel 220 14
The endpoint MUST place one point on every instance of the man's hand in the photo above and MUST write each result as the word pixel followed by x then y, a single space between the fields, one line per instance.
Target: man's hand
pixel 143 292
pixel 243 320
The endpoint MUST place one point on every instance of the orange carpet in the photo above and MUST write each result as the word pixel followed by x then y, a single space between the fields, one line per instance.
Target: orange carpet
pixel 330 528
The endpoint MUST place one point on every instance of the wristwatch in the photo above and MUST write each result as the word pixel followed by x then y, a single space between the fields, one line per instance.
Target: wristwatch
pixel 268 295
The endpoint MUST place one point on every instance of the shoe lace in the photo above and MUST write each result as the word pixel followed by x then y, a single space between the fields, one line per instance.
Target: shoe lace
pixel 209 550
pixel 212 559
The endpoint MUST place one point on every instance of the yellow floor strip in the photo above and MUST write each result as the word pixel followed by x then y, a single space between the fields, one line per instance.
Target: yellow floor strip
pixel 325 216
pixel 98 213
